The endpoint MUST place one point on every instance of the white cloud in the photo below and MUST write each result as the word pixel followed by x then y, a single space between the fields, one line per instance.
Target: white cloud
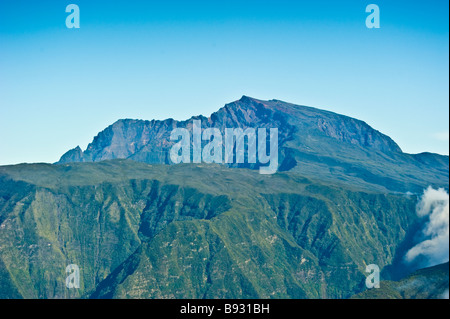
pixel 442 136
pixel 434 247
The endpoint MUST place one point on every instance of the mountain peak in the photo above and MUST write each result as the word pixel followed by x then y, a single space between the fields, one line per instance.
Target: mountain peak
pixel 314 142
pixel 245 98
pixel 249 99
pixel 73 155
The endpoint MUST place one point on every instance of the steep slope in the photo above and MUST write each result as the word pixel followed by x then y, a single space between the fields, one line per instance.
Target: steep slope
pixel 318 144
pixel 427 283
pixel 343 198
pixel 190 231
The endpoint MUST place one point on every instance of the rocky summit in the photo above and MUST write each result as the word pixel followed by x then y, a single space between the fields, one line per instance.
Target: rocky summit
pixel 315 143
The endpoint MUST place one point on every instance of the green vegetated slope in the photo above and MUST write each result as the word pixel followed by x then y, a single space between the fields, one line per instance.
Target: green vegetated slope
pixel 189 231
pixel 427 283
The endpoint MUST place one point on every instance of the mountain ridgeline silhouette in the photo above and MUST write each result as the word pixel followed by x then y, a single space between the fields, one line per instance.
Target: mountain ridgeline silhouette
pixel 315 143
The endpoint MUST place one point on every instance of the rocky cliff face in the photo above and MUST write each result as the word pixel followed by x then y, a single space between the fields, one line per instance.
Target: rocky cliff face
pixel 313 142
pixel 149 141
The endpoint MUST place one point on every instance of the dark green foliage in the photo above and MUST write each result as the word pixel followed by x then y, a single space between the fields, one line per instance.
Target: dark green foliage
pixel 190 231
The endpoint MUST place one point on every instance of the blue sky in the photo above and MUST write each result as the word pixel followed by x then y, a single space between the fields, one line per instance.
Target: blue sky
pixel 153 60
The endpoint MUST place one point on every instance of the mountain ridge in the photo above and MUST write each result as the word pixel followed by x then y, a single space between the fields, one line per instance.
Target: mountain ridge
pixel 314 142
pixel 236 105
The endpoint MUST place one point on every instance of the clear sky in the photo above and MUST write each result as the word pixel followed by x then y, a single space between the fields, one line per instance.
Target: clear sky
pixel 158 59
